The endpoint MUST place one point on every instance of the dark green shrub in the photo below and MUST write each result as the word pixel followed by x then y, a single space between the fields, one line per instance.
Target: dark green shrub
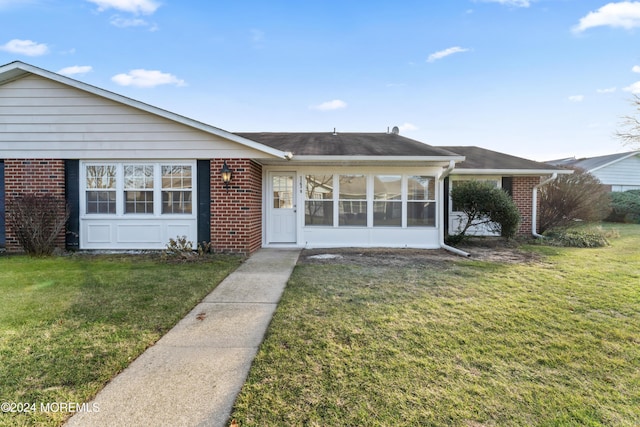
pixel 625 207
pixel 483 204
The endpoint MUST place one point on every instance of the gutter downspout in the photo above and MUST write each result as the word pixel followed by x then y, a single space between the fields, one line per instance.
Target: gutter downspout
pixel 443 245
pixel 534 208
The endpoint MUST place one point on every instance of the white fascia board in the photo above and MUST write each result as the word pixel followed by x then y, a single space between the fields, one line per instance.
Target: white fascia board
pixel 399 159
pixel 530 172
pixel 18 69
pixel 635 153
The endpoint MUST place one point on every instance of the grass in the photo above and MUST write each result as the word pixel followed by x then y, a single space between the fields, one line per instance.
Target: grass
pixel 69 324
pixel 549 343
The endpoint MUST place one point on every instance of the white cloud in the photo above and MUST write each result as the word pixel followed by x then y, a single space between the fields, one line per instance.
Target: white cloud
pixel 634 88
pixel 121 22
pixel 147 78
pixel 145 7
pixel 25 47
pixel 76 69
pixel 336 104
pixel 442 53
pixel 407 127
pixel 607 90
pixel 624 14
pixel 636 69
pixel 516 3
pixel 576 98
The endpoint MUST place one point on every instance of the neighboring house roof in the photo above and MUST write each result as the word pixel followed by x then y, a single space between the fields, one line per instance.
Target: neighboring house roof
pixel 591 164
pixel 16 70
pixel 329 145
pixel 482 161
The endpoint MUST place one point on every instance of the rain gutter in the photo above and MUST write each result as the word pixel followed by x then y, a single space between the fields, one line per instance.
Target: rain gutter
pixel 443 245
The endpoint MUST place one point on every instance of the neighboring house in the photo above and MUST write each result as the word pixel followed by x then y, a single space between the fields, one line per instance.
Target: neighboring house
pixel 134 175
pixel 620 172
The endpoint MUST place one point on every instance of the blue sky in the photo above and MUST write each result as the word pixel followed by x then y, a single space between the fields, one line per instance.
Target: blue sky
pixel 541 79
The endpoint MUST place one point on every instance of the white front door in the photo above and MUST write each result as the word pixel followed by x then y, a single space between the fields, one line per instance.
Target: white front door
pixel 282 207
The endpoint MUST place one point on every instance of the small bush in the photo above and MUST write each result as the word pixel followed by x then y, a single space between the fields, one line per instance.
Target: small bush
pixel 181 249
pixel 578 237
pixel 37 220
pixel 625 207
pixel 483 204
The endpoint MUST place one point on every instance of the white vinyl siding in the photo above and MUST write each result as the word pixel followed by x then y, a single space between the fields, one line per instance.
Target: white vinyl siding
pixel 622 176
pixel 52 120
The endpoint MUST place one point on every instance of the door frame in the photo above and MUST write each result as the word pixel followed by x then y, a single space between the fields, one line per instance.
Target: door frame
pixel 268 235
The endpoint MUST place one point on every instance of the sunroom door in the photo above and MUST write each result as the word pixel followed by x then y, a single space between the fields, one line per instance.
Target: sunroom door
pixel 282 223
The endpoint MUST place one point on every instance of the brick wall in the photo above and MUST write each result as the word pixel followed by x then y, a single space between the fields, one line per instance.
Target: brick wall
pixel 522 193
pixel 236 214
pixel 37 176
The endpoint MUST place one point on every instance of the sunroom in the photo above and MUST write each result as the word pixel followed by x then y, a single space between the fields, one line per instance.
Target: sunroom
pixel 353 189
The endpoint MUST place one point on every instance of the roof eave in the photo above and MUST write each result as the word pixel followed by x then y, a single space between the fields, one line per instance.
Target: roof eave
pixel 522 172
pixel 301 158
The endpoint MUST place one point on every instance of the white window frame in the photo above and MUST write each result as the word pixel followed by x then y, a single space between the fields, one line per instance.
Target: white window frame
pixel 370 198
pixel 120 189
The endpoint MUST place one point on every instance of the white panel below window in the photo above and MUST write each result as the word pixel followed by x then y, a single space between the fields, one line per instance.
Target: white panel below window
pixel 98 233
pixel 328 237
pixel 137 233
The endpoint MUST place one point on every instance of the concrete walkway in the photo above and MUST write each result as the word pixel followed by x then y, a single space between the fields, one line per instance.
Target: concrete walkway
pixel 193 374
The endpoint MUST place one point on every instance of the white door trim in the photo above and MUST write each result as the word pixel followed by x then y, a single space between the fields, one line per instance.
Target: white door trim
pixel 282 221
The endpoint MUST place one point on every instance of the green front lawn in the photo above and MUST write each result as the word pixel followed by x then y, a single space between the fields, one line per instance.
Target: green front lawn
pixel 550 342
pixel 69 324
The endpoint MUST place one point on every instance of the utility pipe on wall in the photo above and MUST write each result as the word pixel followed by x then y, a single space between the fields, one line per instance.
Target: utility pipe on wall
pixel 443 245
pixel 534 208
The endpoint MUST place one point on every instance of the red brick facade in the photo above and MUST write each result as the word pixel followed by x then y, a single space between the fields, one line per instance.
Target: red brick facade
pixel 236 213
pixel 32 176
pixel 522 193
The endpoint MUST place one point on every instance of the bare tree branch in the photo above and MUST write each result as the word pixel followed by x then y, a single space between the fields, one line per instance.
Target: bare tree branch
pixel 630 134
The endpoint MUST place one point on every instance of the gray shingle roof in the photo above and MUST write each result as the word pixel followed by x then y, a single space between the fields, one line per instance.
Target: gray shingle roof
pixel 591 163
pixel 481 158
pixel 346 144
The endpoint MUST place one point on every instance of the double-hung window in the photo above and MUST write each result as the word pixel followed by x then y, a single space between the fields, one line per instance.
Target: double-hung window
pixel 101 189
pixel 138 188
pixel 177 189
